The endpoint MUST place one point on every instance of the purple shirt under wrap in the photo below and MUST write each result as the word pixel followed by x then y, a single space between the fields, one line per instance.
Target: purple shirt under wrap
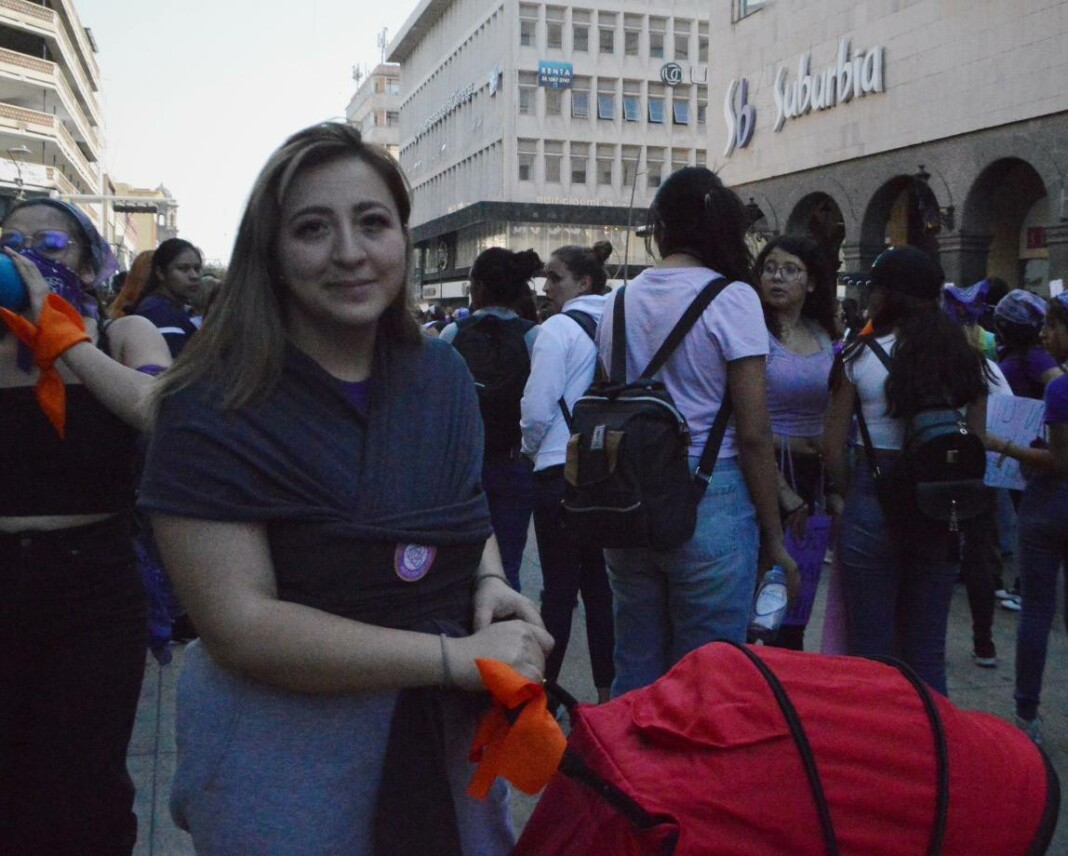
pixel 1057 401
pixel 1024 374
pixel 731 328
pixel 797 388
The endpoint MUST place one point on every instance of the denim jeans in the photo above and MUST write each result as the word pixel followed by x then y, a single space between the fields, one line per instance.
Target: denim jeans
pixel 72 655
pixel 669 602
pixel 1043 549
pixel 898 582
pixel 508 480
pixel 568 567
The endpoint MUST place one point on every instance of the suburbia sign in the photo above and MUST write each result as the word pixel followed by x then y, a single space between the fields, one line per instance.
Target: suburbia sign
pixel 849 77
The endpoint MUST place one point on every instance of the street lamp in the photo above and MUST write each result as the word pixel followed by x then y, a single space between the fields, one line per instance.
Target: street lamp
pixel 19 151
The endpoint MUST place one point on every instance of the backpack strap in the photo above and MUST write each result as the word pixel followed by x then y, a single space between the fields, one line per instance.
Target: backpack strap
pixel 617 371
pixel 589 327
pixel 858 409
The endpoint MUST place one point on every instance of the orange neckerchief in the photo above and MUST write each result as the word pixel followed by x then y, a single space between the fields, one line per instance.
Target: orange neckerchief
pixel 867 329
pixel 526 752
pixel 59 328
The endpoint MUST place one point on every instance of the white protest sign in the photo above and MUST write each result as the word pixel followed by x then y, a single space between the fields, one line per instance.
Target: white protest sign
pixel 1018 420
pixel 1056 286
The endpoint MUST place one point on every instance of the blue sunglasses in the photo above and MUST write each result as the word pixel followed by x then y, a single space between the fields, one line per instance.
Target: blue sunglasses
pixel 46 241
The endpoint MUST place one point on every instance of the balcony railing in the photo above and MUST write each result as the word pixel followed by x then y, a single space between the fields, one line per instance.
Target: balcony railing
pixel 45 22
pixel 49 126
pixel 45 73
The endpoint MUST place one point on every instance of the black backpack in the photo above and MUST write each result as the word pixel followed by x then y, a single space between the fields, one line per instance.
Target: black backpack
pixel 939 475
pixel 627 479
pixel 495 351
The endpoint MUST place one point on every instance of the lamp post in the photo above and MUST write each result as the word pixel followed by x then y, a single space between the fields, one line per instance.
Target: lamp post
pixel 630 219
pixel 13 155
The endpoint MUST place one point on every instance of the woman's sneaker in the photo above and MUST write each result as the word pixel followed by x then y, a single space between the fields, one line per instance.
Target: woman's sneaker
pixel 985 655
pixel 1012 602
pixel 1031 727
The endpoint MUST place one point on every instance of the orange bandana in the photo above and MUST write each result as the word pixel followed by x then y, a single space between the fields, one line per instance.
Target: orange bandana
pixel 527 751
pixel 59 328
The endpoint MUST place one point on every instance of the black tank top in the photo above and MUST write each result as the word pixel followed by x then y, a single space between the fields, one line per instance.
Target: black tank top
pixel 91 471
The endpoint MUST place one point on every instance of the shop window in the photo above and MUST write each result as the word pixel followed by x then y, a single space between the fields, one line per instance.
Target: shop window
pixel 681 112
pixel 656 110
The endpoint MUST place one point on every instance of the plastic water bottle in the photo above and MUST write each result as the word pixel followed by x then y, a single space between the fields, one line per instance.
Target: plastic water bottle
pixel 13 294
pixel 769 606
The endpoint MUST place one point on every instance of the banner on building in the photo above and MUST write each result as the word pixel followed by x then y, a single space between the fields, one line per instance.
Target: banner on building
pixel 555 75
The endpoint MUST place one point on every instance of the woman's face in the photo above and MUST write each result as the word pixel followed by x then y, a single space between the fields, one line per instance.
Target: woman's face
pixel 561 285
pixel 181 278
pixel 784 281
pixel 1054 337
pixel 34 221
pixel 342 248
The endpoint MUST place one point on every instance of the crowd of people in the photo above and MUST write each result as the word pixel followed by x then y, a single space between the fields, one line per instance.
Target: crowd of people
pixel 270 437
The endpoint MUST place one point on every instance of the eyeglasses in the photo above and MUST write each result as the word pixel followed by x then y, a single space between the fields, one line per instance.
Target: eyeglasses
pixel 789 271
pixel 47 241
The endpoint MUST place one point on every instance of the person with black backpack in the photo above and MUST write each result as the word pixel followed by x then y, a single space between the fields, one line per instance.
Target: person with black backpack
pixel 562 368
pixel 919 391
pixel 496 343
pixel 685 589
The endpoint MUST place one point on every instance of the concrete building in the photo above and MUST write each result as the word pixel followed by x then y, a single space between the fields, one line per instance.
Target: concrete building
pixel 877 122
pixel 375 106
pixel 50 115
pixel 538 125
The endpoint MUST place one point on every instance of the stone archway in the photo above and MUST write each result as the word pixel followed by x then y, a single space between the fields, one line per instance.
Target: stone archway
pixel 903 210
pixel 819 215
pixel 1004 197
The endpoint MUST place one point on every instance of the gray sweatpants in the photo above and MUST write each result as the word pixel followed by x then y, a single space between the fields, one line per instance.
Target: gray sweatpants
pixel 266 771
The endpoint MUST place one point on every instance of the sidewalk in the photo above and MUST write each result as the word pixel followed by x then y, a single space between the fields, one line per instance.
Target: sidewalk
pixel 151 756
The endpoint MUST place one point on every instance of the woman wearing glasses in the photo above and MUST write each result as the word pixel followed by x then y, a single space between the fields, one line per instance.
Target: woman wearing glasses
pixel 796 287
pixel 72 611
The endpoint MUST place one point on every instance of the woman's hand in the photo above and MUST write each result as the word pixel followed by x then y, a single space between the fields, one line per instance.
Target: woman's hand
pixel 775 554
pixel 995 444
pixel 797 520
pixel 496 600
pixel 36 287
pixel 518 644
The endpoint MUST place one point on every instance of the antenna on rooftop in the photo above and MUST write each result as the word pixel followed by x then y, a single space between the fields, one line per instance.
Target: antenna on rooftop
pixel 383 42
pixel 357 74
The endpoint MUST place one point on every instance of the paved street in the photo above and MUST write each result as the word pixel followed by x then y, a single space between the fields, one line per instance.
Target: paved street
pixel 152 748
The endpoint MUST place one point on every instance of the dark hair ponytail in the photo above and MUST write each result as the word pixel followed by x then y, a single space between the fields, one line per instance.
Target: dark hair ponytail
pixel 587 261
pixel 695 213
pixel 500 277
pixel 164 254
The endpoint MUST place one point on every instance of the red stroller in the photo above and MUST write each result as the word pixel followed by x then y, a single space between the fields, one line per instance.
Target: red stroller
pixel 740 750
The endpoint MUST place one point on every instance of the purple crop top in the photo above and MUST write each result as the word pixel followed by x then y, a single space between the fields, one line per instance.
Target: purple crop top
pixel 797 388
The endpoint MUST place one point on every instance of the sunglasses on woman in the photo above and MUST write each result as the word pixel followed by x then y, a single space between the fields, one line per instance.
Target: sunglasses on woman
pixel 47 241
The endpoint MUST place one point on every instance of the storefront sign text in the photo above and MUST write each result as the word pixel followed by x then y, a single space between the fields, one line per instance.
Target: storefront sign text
pixel 740 116
pixel 848 77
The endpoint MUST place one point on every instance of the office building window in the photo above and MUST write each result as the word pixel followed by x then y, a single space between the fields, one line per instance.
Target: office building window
pixel 528 87
pixel 681 112
pixel 702 42
pixel 527 151
pixel 606 106
pixel 580 98
pixel 702 157
pixel 554 27
pixel 630 166
pixel 554 152
pixel 682 39
pixel 554 102
pixel 527 32
pixel 679 159
pixel 392 119
pixel 657 29
pixel 579 156
pixel 606 159
pixel 656 110
pixel 580 30
pixel 654 166
pixel 742 8
pixel 632 30
pixel 632 100
pixel 702 105
pixel 606 34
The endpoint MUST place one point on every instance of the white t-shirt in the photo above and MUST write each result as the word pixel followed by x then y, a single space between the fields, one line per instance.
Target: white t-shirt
pixel 868 374
pixel 731 328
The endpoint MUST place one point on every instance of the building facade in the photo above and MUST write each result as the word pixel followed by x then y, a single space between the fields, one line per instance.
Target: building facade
pixel 540 124
pixel 375 106
pixel 879 122
pixel 50 115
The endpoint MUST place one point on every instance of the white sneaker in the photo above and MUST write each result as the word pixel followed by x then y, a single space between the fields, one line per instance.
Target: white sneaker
pixel 1012 602
pixel 1032 728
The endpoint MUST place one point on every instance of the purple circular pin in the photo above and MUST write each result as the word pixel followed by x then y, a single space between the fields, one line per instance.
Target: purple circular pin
pixel 412 561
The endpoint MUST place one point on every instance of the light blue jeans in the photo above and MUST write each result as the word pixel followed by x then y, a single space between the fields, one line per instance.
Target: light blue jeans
pixel 666 603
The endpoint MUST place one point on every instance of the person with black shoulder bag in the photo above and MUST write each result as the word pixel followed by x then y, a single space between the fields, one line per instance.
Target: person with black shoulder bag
pixel 918 390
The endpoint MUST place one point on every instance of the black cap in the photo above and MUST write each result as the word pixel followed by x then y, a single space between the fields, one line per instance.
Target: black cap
pixel 909 271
